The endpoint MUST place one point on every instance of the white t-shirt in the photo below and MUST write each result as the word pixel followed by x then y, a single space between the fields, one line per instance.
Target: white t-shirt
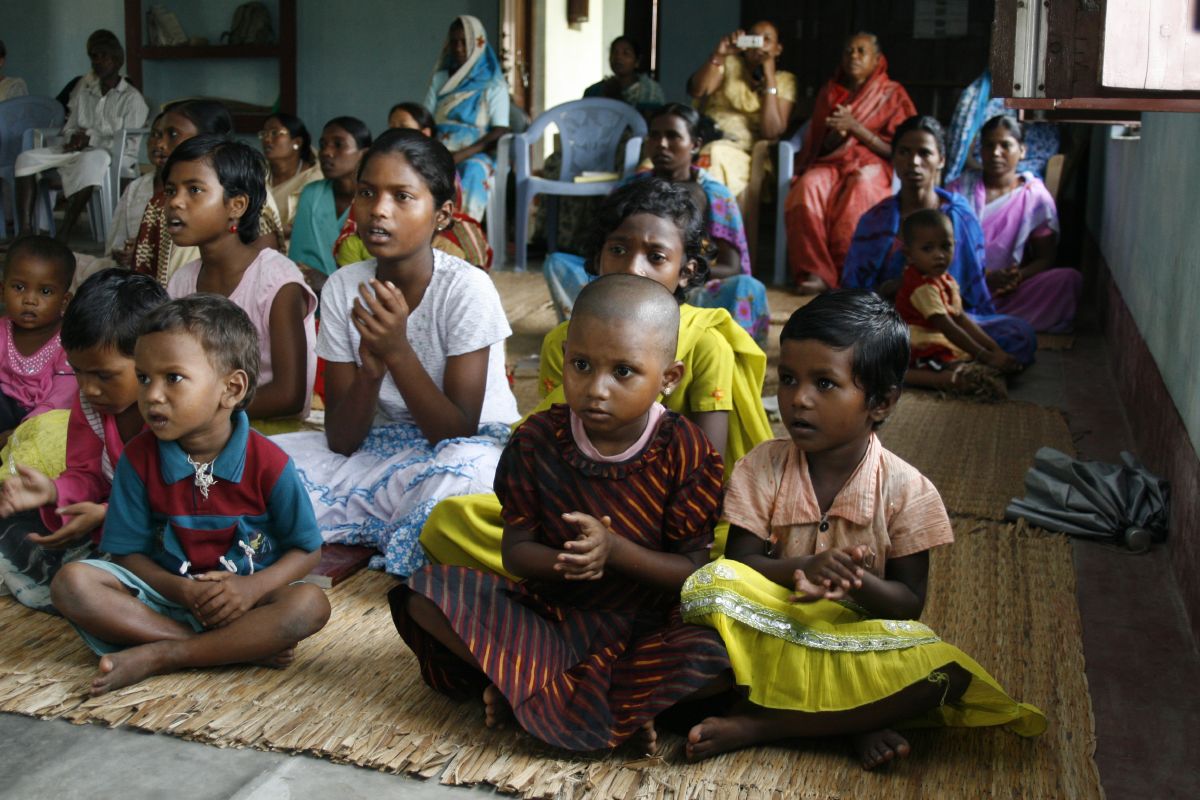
pixel 459 313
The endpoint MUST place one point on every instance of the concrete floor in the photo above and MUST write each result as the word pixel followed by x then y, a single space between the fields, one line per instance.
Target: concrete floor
pixel 1142 670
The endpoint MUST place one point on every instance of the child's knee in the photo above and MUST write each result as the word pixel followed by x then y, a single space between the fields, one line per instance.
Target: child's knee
pixel 310 611
pixel 71 586
pixel 423 611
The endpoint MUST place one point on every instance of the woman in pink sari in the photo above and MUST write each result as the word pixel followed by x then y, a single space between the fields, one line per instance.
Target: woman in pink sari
pixel 845 165
pixel 1020 227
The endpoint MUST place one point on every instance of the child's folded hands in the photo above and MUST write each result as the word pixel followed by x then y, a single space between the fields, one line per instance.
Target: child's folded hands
pixel 586 556
pixel 832 574
pixel 218 598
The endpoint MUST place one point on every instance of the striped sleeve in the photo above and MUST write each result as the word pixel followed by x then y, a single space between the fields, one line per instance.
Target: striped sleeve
pixel 694 505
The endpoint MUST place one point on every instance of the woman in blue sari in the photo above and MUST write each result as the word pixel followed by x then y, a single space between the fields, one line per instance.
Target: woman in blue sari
pixel 675 137
pixel 876 259
pixel 468 97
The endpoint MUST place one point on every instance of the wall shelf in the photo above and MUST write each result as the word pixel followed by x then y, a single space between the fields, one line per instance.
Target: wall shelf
pixel 212 51
pixel 283 51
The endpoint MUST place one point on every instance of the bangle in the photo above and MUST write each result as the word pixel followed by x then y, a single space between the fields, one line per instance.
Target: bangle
pixel 770 90
pixel 716 62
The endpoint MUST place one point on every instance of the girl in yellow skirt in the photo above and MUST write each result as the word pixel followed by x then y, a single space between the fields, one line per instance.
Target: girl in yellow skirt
pixel 828 557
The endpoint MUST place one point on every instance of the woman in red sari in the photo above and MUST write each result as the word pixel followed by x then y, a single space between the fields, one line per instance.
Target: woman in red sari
pixel 845 166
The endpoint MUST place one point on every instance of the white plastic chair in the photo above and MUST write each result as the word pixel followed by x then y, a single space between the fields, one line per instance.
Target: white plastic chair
pixel 590 131
pixel 17 116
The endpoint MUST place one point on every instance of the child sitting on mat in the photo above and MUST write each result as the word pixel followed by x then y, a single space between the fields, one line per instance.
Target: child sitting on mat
pixel 99 331
pixel 654 229
pixel 949 350
pixel 609 503
pixel 208 524
pixel 34 375
pixel 828 559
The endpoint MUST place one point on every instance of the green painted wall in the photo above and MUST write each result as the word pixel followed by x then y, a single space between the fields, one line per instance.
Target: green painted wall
pixel 1146 218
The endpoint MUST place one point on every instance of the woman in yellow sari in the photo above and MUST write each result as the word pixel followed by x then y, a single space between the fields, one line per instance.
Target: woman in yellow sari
pixel 748 98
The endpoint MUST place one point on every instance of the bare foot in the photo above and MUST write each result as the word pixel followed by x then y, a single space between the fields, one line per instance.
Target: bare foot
pixel 281 660
pixel 646 739
pixel 811 285
pixel 879 747
pixel 496 710
pixel 129 666
pixel 716 735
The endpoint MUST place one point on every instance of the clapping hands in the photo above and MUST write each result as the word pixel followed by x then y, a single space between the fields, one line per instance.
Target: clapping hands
pixel 832 574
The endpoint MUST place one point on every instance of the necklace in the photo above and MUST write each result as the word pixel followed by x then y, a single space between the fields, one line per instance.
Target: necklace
pixel 204 476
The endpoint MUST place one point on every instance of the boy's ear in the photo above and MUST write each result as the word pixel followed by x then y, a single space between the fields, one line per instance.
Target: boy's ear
pixel 237 383
pixel 884 408
pixel 672 375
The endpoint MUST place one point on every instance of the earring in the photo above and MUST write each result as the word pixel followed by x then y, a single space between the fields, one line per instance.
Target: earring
pixel 295 146
pixel 667 391
pixel 233 227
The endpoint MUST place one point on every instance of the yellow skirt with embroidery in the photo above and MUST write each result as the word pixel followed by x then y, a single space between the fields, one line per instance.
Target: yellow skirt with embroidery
pixel 465 531
pixel 823 656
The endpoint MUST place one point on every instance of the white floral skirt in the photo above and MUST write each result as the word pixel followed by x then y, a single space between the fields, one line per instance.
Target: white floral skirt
pixel 381 494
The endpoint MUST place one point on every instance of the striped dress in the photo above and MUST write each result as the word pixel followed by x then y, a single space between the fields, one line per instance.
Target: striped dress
pixel 583 664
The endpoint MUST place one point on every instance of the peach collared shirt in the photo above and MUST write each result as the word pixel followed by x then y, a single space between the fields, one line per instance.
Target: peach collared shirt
pixel 886 504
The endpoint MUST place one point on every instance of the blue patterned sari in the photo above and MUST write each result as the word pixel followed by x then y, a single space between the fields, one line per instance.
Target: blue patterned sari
pixel 875 257
pixel 466 104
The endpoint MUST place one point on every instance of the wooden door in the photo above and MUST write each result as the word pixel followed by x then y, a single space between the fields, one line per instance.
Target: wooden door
pixel 516 50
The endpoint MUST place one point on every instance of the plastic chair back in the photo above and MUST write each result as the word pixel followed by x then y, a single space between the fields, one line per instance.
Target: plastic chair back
pixel 19 115
pixel 590 132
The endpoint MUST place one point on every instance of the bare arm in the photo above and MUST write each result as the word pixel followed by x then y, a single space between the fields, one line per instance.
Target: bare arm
pixel 1040 254
pixel 480 146
pixel 715 425
pixel 749 549
pixel 707 79
pixel 775 110
pixel 351 394
pixel 728 262
pixel 284 396
pixel 958 329
pixel 899 595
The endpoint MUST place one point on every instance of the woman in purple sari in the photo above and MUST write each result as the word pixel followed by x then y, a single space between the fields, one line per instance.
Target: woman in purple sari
pixel 1020 228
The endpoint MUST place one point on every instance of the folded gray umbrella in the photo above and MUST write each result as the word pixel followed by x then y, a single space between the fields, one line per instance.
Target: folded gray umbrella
pixel 1120 503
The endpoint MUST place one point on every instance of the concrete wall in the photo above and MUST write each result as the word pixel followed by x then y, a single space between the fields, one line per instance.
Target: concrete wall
pixel 47 39
pixel 1142 213
pixel 689 33
pixel 1148 234
pixel 356 58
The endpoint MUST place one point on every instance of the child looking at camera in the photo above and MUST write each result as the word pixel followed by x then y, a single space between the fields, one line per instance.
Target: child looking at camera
pixel 99 332
pixel 949 350
pixel 34 374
